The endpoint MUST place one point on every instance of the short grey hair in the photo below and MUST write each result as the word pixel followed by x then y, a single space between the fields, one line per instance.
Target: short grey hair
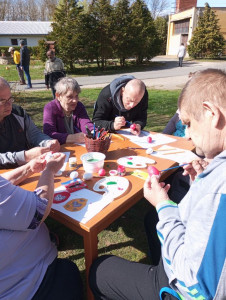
pixel 65 84
pixel 3 83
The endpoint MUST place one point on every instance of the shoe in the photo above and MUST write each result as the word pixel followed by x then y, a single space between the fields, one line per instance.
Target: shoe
pixel 28 87
pixel 22 83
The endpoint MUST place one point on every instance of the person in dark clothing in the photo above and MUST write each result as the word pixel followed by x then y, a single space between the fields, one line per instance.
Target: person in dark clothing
pixel 123 102
pixel 25 62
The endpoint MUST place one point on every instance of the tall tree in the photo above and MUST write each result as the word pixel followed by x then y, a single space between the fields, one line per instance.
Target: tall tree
pixel 158 7
pixel 101 12
pixel 145 38
pixel 161 25
pixel 65 31
pixel 122 34
pixel 207 40
pixel 4 4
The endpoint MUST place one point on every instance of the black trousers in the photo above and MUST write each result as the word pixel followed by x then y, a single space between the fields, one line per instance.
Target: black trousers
pixel 62 281
pixel 115 278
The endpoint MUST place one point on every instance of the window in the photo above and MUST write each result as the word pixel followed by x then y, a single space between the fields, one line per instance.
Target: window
pixel 14 42
pixel 181 26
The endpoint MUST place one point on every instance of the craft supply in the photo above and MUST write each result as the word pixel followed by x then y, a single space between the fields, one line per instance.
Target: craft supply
pixel 93 161
pixel 77 167
pixel 113 172
pixel 48 156
pixel 75 186
pixel 69 181
pixel 149 150
pixel 174 167
pixel 175 152
pixel 140 174
pixel 121 170
pixel 61 197
pixel 102 172
pixel 72 162
pixel 135 161
pixel 87 176
pixel 94 131
pixel 153 171
pixel 74 174
pixel 118 136
pixel 114 185
pixel 133 126
pixel 149 139
pixel 89 133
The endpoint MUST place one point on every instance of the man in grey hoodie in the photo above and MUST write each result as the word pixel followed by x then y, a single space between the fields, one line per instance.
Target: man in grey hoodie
pixel 123 102
pixel 192 234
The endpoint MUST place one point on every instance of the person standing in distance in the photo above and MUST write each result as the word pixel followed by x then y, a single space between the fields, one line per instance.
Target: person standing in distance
pixel 25 62
pixel 16 58
pixel 181 54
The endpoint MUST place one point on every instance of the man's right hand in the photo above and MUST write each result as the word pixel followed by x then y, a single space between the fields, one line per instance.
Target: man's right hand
pixel 119 122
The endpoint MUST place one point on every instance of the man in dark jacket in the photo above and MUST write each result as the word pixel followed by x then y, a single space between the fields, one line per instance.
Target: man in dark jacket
pixel 123 102
pixel 25 62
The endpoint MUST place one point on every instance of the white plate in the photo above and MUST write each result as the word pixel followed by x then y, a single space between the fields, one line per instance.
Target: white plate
pixel 115 185
pixel 135 161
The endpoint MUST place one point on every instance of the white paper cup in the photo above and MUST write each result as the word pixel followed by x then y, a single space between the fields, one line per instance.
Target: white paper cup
pixel 93 161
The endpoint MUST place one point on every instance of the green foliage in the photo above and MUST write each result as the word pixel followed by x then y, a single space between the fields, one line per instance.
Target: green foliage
pixel 42 49
pixel 65 31
pixel 122 37
pixel 161 25
pixel 207 41
pixel 145 40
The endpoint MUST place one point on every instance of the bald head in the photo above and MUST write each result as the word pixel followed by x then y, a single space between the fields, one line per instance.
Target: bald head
pixel 132 93
pixel 207 85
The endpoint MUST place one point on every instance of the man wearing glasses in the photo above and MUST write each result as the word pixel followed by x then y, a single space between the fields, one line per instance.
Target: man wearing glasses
pixel 20 139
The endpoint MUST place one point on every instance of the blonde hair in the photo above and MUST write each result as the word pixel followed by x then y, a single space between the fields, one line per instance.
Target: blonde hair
pixel 207 85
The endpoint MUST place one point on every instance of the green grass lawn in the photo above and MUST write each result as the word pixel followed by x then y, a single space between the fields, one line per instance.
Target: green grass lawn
pixel 125 237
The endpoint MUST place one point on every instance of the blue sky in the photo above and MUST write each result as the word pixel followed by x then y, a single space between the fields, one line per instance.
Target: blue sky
pixel 212 3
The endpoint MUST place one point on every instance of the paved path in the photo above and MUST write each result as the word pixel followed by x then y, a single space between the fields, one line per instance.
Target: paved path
pixel 167 75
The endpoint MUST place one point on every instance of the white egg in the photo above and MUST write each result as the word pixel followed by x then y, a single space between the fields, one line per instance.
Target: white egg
pixel 87 176
pixel 149 150
pixel 73 174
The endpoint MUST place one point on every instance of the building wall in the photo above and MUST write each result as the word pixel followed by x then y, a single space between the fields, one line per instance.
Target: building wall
pixel 31 40
pixel 182 5
pixel 174 40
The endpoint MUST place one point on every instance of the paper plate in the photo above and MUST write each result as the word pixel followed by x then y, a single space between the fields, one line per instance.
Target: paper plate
pixel 135 161
pixel 115 185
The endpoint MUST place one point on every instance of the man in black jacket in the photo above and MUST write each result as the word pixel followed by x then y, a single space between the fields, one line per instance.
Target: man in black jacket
pixel 25 62
pixel 123 102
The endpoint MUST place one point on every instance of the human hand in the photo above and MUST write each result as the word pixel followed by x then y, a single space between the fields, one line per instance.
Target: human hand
pixel 53 145
pixel 137 130
pixel 119 122
pixel 195 168
pixel 21 68
pixel 35 152
pixel 155 191
pixel 38 164
pixel 55 162
pixel 47 86
pixel 79 138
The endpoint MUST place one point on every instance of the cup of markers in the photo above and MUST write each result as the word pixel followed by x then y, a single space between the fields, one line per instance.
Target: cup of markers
pixel 98 140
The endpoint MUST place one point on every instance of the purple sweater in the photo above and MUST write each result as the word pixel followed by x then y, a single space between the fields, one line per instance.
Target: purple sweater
pixel 53 120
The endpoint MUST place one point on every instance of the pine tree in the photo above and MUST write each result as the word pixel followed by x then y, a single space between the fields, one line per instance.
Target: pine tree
pixel 122 37
pixel 145 39
pixel 101 14
pixel 161 26
pixel 66 31
pixel 207 40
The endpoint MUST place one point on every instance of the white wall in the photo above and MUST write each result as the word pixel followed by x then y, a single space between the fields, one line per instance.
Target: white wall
pixel 31 40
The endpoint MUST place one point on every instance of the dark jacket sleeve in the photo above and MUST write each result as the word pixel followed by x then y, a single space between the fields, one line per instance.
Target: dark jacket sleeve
pixel 104 111
pixel 171 125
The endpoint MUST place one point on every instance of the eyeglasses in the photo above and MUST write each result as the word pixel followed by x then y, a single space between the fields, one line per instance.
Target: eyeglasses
pixel 5 101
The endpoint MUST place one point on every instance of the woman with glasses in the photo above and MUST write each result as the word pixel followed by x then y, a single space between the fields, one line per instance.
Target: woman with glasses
pixel 65 118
